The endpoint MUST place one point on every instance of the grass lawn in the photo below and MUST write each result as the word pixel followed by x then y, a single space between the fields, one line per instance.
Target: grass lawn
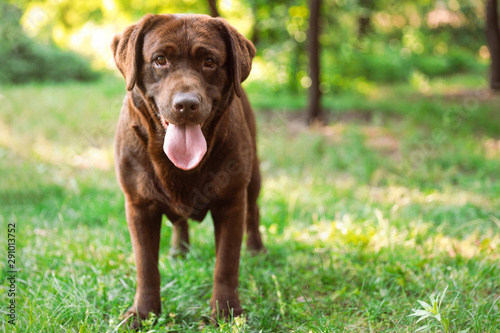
pixel 397 199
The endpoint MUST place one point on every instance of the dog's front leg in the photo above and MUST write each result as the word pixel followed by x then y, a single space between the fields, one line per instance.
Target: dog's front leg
pixel 144 224
pixel 229 221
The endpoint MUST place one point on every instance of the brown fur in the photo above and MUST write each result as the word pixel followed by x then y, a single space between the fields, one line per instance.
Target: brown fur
pixel 227 180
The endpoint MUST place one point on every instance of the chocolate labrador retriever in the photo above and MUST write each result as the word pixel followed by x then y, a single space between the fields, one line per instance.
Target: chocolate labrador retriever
pixel 185 145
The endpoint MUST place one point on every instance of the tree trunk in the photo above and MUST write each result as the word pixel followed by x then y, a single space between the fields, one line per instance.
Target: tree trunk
pixel 255 29
pixel 314 113
pixel 213 8
pixel 364 25
pixel 364 18
pixel 493 36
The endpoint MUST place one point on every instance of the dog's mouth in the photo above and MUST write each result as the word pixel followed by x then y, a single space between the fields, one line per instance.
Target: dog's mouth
pixel 184 144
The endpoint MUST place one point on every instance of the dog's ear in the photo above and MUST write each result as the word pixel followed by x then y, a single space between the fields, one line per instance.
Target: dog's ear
pixel 241 52
pixel 127 49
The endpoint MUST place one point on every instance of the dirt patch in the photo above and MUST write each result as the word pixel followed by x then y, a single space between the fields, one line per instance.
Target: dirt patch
pixel 483 95
pixel 376 137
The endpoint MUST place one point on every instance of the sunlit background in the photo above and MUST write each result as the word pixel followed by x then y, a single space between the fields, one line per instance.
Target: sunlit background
pixel 419 39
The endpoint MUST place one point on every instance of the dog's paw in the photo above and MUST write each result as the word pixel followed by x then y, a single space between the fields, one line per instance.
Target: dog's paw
pixel 131 320
pixel 227 312
pixel 178 251
pixel 256 248
pixel 254 244
pixel 225 315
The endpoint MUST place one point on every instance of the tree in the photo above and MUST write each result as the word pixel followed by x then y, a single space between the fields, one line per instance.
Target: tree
pixel 314 113
pixel 213 8
pixel 493 36
pixel 254 6
pixel 364 18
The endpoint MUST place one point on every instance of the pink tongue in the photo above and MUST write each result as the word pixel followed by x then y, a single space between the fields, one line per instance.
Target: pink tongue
pixel 185 145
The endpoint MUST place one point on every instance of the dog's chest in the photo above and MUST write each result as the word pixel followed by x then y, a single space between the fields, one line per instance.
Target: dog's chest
pixel 190 196
pixel 182 200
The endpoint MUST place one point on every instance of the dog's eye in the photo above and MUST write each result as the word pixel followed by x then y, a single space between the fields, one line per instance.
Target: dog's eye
pixel 209 63
pixel 160 61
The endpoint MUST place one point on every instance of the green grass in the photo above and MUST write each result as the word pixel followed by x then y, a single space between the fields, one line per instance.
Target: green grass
pixel 396 199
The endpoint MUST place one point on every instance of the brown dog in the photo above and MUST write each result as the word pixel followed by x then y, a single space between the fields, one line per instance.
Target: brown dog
pixel 185 144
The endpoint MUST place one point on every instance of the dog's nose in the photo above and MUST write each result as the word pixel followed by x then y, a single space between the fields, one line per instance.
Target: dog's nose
pixel 186 102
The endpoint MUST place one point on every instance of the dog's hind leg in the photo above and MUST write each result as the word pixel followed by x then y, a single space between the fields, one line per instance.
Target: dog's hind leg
pixel 180 238
pixel 254 239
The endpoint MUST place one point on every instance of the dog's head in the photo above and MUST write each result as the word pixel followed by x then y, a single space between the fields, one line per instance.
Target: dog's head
pixel 186 65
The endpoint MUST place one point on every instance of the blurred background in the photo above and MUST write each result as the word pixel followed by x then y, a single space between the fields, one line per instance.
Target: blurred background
pixel 363 43
pixel 379 140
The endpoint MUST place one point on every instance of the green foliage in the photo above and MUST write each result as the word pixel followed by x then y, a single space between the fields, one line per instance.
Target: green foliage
pixel 390 66
pixel 400 39
pixel 390 52
pixel 434 311
pixel 24 60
